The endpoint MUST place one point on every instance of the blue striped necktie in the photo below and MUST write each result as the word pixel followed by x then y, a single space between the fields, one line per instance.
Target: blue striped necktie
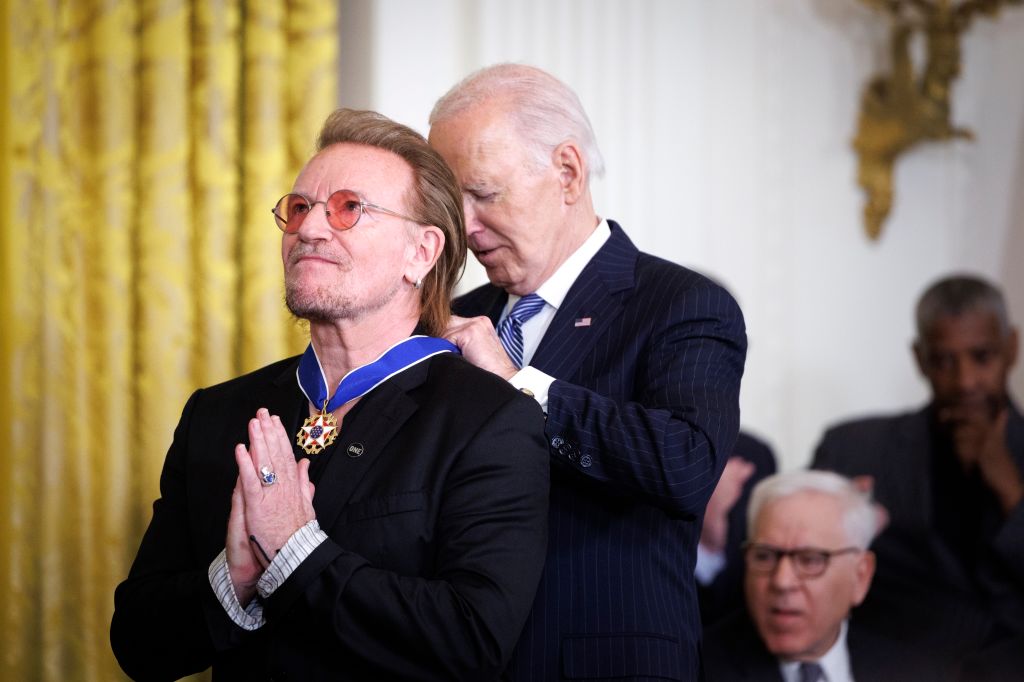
pixel 510 331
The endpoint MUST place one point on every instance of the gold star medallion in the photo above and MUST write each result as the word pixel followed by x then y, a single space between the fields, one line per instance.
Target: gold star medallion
pixel 317 432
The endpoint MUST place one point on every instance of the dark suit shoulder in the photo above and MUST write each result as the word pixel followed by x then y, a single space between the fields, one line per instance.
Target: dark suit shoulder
pixel 656 266
pixel 669 291
pixel 256 379
pixel 452 370
pixel 878 656
pixel 673 276
pixel 875 424
pixel 455 384
pixel 868 438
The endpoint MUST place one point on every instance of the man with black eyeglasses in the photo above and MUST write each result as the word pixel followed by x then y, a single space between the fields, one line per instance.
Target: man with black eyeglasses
pixel 807 565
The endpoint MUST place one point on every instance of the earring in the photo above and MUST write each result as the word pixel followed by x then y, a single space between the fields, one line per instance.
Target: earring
pixel 418 284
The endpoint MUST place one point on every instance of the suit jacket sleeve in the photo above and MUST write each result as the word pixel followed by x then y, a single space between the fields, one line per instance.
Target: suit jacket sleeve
pixel 658 417
pixel 167 621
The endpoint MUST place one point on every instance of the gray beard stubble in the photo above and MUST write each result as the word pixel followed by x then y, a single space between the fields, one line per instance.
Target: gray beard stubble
pixel 327 305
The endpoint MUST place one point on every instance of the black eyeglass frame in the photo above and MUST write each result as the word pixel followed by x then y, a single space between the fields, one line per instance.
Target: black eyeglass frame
pixel 282 222
pixel 799 558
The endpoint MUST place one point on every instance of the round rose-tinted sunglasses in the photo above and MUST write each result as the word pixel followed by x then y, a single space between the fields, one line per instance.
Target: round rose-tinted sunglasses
pixel 343 210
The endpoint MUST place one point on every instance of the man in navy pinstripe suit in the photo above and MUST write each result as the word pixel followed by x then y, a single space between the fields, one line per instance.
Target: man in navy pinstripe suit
pixel 636 362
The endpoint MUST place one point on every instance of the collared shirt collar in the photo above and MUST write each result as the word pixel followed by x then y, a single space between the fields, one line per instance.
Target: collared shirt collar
pixel 556 288
pixel 835 663
pixel 553 291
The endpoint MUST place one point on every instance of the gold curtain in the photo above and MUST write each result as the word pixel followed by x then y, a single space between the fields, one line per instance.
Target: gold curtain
pixel 143 143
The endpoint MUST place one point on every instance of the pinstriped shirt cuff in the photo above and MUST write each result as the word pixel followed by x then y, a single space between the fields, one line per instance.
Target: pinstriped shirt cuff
pixel 247 618
pixel 536 382
pixel 299 546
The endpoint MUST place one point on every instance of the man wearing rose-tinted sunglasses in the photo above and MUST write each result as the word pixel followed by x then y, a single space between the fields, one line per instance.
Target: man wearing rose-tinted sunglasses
pixel 383 516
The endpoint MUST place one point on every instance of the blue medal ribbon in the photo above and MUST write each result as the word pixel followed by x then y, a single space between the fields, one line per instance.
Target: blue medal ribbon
pixel 362 380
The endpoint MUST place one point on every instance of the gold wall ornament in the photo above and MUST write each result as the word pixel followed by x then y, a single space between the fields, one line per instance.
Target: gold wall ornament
pixel 903 108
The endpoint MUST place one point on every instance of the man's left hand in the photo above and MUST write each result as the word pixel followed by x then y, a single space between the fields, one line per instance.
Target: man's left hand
pixel 479 343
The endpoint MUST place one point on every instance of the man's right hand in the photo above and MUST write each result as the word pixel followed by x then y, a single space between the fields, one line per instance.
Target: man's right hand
pixel 479 343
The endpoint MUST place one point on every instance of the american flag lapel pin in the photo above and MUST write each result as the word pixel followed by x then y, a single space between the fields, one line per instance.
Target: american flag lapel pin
pixel 582 322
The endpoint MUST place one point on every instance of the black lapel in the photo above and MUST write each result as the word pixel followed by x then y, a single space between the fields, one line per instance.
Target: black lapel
pixel 362 441
pixel 287 401
pixel 914 447
pixel 596 298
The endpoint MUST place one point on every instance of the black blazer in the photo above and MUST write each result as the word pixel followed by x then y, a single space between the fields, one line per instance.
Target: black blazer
pixel 437 535
pixel 644 412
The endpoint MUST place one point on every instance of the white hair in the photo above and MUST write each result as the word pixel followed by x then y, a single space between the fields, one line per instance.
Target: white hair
pixel 859 520
pixel 544 110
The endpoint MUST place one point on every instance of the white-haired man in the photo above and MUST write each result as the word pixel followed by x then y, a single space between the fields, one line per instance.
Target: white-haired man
pixel 636 362
pixel 807 565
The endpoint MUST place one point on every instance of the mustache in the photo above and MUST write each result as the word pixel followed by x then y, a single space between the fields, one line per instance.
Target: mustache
pixel 302 250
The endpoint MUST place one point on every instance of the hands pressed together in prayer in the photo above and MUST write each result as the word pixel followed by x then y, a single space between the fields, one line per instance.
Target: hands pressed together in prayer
pixel 264 516
pixel 979 441
pixel 480 345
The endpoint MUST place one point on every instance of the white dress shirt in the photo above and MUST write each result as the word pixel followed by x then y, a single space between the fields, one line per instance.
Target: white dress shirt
pixel 553 291
pixel 835 663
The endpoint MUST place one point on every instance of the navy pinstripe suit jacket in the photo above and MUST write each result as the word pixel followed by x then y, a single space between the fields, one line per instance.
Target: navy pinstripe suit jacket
pixel 641 419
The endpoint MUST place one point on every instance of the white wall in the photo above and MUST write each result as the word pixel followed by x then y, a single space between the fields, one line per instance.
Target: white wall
pixel 726 128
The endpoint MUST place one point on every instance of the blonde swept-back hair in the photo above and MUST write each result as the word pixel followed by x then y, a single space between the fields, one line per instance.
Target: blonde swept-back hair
pixel 436 199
